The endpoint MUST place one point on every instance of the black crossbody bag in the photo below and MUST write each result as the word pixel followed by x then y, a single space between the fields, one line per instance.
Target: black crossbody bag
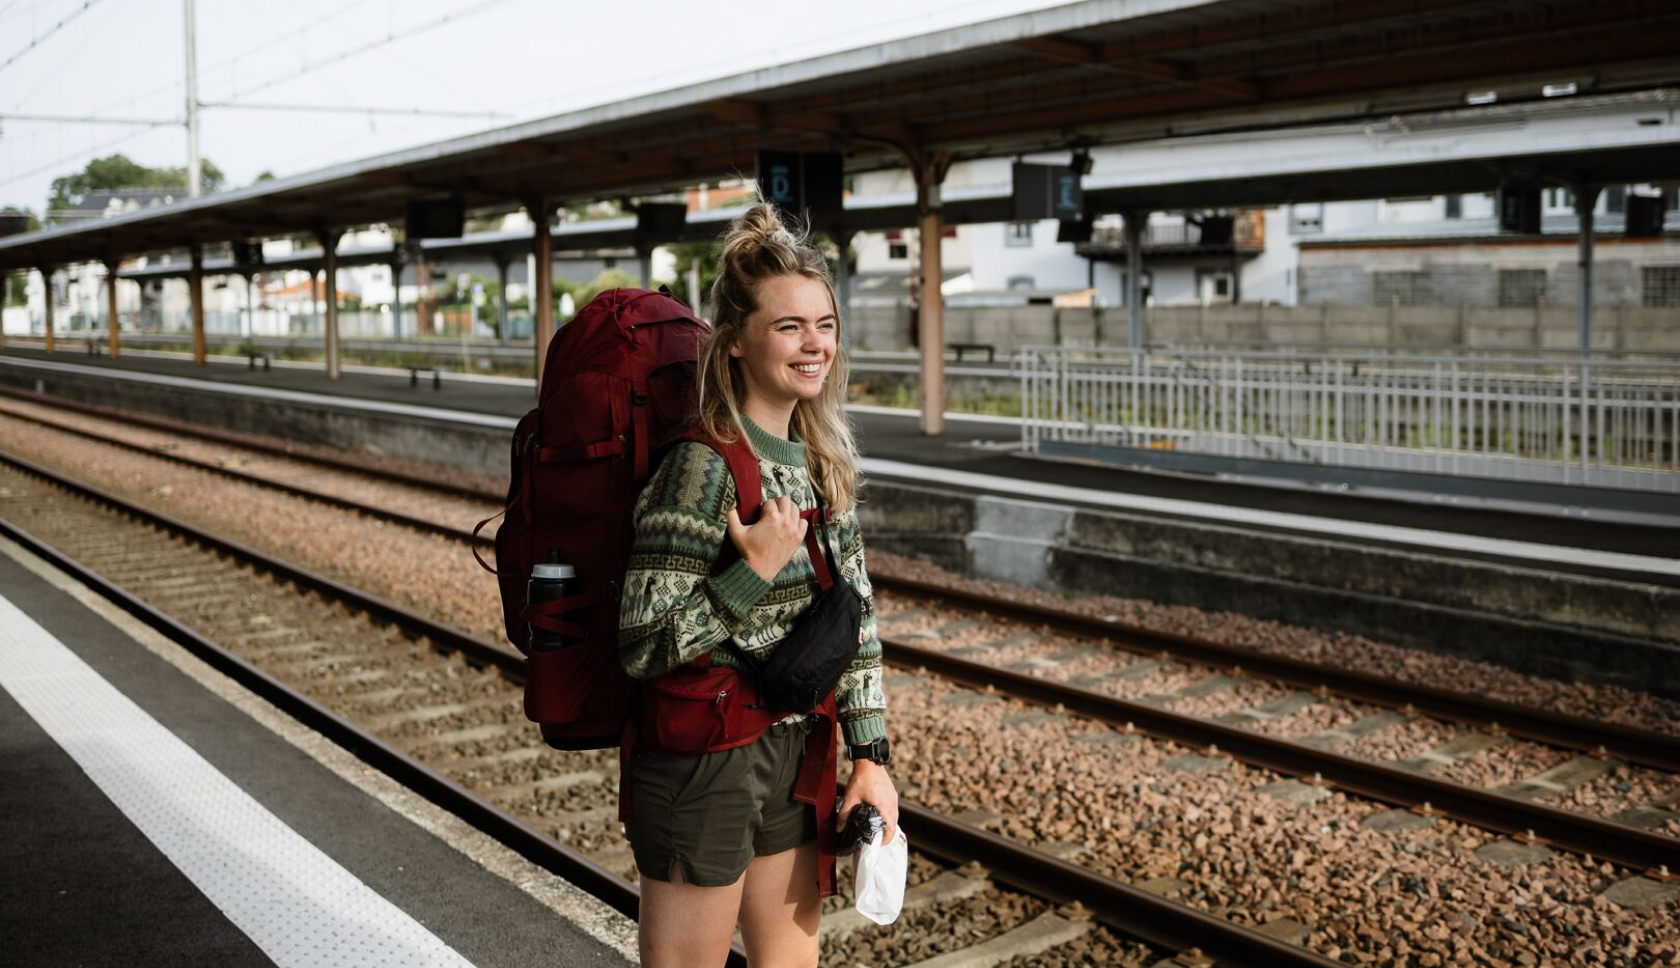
pixel 808 664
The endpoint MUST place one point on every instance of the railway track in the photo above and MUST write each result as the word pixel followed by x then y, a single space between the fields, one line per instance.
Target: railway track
pixel 924 647
pixel 439 710
pixel 1479 724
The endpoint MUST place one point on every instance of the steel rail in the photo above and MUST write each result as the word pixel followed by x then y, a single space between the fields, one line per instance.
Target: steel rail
pixel 1618 843
pixel 234 440
pixel 1136 912
pixel 1154 919
pixel 295 490
pixel 1644 747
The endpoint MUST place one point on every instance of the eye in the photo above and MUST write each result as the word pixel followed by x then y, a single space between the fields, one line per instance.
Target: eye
pixel 827 327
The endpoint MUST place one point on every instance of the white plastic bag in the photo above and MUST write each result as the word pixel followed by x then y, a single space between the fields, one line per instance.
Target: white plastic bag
pixel 880 871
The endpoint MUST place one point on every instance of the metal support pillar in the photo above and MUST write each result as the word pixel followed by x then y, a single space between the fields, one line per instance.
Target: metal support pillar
pixel 250 308
pixel 501 298
pixel 542 284
pixel 396 299
pixel 47 304
pixel 195 299
pixel 843 285
pixel 329 268
pixel 314 295
pixel 930 175
pixel 111 307
pixel 1586 198
pixel 1134 222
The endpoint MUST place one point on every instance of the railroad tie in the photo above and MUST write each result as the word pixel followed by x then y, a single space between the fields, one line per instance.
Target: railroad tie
pixel 947 886
pixel 946 631
pixel 1007 642
pixel 1209 686
pixel 1276 709
pixel 1042 933
pixel 1562 778
pixel 1452 752
pixel 1358 729
pixel 1651 815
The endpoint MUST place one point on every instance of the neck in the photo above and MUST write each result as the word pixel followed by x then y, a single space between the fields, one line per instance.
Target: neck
pixel 770 417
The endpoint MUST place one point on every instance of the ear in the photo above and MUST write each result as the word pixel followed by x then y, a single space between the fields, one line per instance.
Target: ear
pixel 736 351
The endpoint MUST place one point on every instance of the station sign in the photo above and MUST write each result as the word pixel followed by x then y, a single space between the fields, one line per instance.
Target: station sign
pixel 1046 191
pixel 803 181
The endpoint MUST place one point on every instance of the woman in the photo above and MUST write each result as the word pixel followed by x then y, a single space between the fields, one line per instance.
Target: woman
pixel 718 836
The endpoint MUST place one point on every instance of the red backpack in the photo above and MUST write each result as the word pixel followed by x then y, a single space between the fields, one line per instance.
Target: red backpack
pixel 618 383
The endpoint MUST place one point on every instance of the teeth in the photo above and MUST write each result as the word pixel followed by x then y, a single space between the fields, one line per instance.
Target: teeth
pixel 807 367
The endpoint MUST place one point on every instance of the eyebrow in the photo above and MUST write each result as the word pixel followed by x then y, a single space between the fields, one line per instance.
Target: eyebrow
pixel 799 319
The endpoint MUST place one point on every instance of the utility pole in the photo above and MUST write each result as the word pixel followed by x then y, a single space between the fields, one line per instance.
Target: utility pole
pixel 194 179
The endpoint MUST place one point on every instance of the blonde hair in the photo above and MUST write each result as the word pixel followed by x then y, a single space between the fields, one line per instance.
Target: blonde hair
pixel 758 246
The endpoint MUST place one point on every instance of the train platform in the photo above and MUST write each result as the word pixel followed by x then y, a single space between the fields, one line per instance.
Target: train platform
pixel 981 454
pixel 159 814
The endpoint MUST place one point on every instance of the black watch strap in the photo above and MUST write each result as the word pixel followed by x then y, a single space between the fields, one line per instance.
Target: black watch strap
pixel 878 751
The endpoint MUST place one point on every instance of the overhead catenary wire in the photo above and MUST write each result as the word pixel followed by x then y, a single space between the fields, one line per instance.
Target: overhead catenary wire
pixel 55 28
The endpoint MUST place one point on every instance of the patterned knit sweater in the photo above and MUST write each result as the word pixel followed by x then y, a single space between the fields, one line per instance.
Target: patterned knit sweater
pixel 673 608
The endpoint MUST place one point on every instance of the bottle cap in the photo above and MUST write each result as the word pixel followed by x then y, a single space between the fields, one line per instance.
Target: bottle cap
pixel 553 570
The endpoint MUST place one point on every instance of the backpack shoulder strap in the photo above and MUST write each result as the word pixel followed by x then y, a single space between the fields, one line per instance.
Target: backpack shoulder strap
pixel 743 468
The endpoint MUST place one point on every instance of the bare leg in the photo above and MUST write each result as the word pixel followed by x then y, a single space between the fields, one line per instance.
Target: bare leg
pixel 684 926
pixel 780 909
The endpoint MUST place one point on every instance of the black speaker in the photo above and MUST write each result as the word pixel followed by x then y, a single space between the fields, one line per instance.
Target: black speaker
pixel 247 254
pixel 438 219
pixel 1073 231
pixel 658 222
pixel 1217 229
pixel 1519 210
pixel 1645 216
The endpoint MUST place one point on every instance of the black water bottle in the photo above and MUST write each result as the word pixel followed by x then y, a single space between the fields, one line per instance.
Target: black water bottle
pixel 551 581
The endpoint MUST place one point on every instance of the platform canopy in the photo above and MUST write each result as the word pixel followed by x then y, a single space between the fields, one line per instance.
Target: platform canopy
pixel 1099 72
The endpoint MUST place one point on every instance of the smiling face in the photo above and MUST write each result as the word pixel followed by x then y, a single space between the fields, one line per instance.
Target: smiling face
pixel 787 346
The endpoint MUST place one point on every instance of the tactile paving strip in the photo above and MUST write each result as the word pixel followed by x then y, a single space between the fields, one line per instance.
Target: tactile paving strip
pixel 294 902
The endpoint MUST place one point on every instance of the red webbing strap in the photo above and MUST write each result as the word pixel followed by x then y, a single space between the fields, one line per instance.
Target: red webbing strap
pixel 601 448
pixel 480 527
pixel 817 785
pixel 542 614
pixel 639 428
pixel 814 548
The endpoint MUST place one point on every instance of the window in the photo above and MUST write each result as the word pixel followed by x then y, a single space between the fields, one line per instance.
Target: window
pixel 1615 199
pixel 1455 206
pixel 1018 234
pixel 1660 285
pixel 1521 287
pixel 1021 282
pixel 1560 198
pixel 898 250
pixel 1306 219
pixel 1402 288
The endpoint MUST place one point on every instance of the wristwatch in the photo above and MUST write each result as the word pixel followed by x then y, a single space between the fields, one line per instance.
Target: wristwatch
pixel 878 751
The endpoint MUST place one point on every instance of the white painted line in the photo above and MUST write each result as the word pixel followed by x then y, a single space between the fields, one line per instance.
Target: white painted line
pixel 269 393
pixel 293 901
pixel 1444 540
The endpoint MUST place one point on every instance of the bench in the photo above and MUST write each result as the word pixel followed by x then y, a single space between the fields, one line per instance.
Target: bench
pixel 252 358
pixel 961 348
pixel 414 376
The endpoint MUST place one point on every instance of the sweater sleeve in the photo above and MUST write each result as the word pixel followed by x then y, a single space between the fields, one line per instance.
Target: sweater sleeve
pixel 861 698
pixel 672 608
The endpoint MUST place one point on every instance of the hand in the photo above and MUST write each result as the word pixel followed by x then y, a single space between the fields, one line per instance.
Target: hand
pixel 870 784
pixel 769 543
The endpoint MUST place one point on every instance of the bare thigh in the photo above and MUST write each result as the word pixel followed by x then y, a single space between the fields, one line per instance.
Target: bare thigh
pixel 780 909
pixel 684 926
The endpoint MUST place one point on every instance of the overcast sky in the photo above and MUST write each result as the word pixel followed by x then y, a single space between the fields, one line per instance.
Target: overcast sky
pixel 520 59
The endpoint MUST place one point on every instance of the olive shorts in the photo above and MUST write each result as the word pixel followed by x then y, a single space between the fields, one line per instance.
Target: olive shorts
pixel 712 813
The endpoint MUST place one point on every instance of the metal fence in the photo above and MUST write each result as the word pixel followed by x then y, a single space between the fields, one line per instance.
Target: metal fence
pixel 1585 420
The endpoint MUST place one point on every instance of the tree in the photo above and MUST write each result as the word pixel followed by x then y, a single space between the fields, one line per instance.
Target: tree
pixel 118 172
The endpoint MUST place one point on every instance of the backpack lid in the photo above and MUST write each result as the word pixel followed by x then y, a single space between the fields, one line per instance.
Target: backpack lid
pixel 552 570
